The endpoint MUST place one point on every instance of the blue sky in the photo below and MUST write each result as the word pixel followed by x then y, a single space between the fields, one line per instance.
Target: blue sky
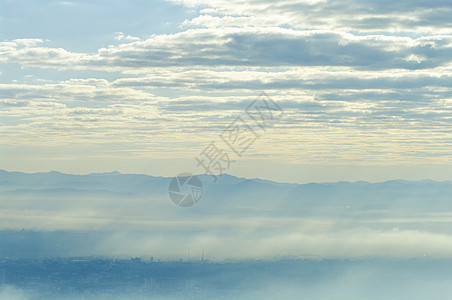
pixel 145 86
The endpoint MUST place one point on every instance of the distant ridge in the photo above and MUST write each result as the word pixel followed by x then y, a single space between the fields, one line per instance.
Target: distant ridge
pixel 222 178
pixel 231 192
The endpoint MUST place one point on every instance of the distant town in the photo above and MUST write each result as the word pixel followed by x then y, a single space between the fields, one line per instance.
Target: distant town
pixel 197 279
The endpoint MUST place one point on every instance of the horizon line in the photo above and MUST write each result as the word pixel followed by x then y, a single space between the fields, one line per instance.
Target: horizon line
pixel 116 173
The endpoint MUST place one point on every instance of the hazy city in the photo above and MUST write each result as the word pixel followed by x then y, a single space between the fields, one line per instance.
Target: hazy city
pixel 193 149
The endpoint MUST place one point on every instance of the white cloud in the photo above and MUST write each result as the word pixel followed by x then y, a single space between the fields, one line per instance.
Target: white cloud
pixel 362 16
pixel 121 36
pixel 258 47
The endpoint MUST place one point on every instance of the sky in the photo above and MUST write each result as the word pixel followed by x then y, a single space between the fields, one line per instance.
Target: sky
pixel 364 87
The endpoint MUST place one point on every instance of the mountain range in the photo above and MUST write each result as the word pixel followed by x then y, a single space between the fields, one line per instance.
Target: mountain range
pixel 132 214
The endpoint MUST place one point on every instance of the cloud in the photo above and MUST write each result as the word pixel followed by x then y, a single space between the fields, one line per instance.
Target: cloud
pixel 374 112
pixel 298 78
pixel 121 36
pixel 258 47
pixel 352 15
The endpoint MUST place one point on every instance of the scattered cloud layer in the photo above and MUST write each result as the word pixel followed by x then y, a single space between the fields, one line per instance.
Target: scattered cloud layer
pixel 359 82
pixel 248 46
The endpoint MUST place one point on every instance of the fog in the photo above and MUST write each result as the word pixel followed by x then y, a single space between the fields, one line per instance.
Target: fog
pixel 131 215
pixel 115 236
